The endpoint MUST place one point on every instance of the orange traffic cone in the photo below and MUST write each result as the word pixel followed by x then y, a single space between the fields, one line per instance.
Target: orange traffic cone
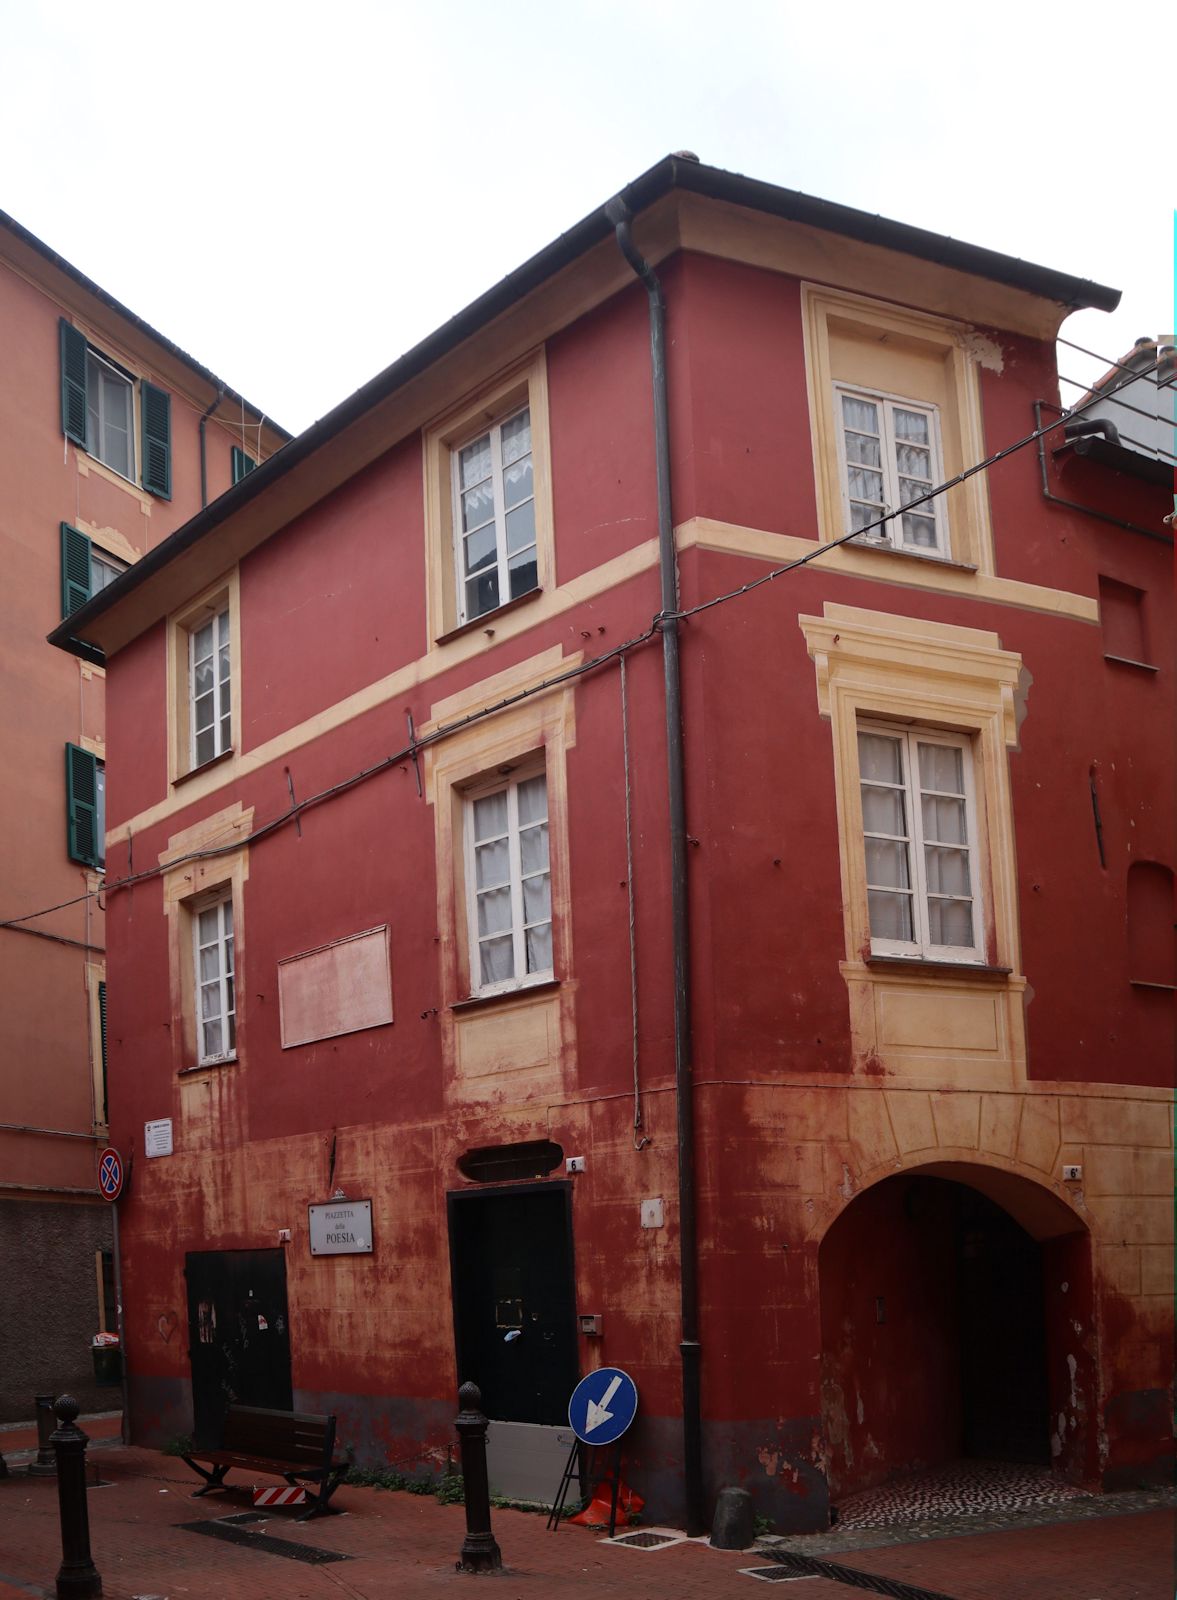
pixel 599 1509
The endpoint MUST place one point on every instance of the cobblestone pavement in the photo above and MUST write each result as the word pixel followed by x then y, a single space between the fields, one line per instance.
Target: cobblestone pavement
pixel 959 1488
pixel 405 1546
pixel 1077 1508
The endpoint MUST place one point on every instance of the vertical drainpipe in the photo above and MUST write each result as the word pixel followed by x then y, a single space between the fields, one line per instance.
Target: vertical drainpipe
pixel 619 215
pixel 220 395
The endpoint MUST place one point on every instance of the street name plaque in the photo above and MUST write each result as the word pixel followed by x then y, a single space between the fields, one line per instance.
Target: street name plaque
pixel 341 1228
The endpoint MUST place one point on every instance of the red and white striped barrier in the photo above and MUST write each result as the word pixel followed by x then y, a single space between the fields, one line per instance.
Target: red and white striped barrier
pixel 279 1497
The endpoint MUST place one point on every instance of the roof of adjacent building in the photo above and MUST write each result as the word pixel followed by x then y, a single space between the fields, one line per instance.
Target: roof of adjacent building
pixel 49 255
pixel 1140 411
pixel 681 174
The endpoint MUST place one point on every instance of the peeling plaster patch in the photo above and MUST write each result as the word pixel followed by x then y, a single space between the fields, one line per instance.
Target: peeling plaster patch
pixel 846 1187
pixel 986 352
pixel 861 1412
pixel 1072 1368
pixel 1101 1443
pixel 837 1424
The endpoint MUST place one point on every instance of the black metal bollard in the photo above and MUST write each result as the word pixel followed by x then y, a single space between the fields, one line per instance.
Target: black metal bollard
pixel 45 1466
pixel 480 1553
pixel 77 1577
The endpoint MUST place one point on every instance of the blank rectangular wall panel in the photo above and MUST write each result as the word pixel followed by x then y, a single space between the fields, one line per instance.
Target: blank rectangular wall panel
pixel 338 988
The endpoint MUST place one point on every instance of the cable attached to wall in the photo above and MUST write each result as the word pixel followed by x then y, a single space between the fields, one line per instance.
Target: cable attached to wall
pixel 595 663
pixel 640 1139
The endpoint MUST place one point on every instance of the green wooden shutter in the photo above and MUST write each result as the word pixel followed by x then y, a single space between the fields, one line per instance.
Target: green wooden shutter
pixel 243 465
pixel 73 382
pixel 75 569
pixel 81 790
pixel 156 406
pixel 102 1040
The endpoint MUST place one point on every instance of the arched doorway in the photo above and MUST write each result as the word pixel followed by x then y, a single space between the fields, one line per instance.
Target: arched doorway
pixel 956 1322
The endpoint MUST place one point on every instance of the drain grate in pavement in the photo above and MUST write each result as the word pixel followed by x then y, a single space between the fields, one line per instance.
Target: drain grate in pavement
pixel 645 1541
pixel 776 1574
pixel 811 1567
pixel 264 1542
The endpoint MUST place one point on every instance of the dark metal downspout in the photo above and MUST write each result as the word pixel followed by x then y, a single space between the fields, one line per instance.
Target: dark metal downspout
pixel 1073 505
pixel 619 215
pixel 203 465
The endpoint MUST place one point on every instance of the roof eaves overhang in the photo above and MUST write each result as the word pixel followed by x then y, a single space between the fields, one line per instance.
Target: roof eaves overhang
pixel 305 470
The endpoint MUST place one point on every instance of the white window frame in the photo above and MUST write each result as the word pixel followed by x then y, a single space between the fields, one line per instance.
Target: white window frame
pixel 890 535
pixel 222 687
pixel 221 900
pixel 922 947
pixel 502 555
pixel 95 446
pixel 521 978
pixel 104 566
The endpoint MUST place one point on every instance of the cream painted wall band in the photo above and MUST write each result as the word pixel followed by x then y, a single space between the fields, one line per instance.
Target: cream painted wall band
pixel 701 533
pixel 611 574
pixel 881 566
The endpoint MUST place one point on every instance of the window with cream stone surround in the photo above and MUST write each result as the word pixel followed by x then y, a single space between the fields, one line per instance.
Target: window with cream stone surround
pixel 906 364
pixel 204 678
pixel 507 1013
pixel 939 987
pixel 488 500
pixel 204 902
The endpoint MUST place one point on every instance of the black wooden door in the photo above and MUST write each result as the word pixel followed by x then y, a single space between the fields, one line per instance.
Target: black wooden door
pixel 514 1312
pixel 238 1335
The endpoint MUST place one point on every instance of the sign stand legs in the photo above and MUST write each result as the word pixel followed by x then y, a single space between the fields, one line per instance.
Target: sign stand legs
pixel 570 1472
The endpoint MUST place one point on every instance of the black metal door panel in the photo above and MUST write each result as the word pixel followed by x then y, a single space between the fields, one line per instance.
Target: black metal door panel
pixel 238 1335
pixel 514 1310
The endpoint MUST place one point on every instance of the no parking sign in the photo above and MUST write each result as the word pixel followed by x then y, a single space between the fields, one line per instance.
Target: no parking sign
pixel 110 1174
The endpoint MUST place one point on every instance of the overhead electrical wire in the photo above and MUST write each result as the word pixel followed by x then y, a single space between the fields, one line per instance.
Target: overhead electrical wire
pixel 1112 399
pixel 1149 416
pixel 446 730
pixel 889 516
pixel 1095 356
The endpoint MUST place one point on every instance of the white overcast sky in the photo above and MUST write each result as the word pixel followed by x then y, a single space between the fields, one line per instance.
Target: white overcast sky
pixel 297 193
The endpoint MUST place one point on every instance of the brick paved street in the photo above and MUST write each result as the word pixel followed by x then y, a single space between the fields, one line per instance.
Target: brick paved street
pixel 405 1545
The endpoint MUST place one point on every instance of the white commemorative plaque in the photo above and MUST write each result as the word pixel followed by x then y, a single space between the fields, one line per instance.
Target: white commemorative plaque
pixel 341 1228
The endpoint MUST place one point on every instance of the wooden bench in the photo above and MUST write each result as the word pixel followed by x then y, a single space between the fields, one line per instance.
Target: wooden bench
pixel 293 1445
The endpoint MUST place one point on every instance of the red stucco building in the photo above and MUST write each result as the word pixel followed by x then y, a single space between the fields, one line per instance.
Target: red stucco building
pixel 858 1037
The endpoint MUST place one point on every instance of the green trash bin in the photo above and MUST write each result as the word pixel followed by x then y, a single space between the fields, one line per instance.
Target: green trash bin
pixel 108 1359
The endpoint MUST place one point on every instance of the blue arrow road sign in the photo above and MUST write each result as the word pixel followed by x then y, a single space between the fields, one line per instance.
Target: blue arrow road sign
pixel 603 1405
